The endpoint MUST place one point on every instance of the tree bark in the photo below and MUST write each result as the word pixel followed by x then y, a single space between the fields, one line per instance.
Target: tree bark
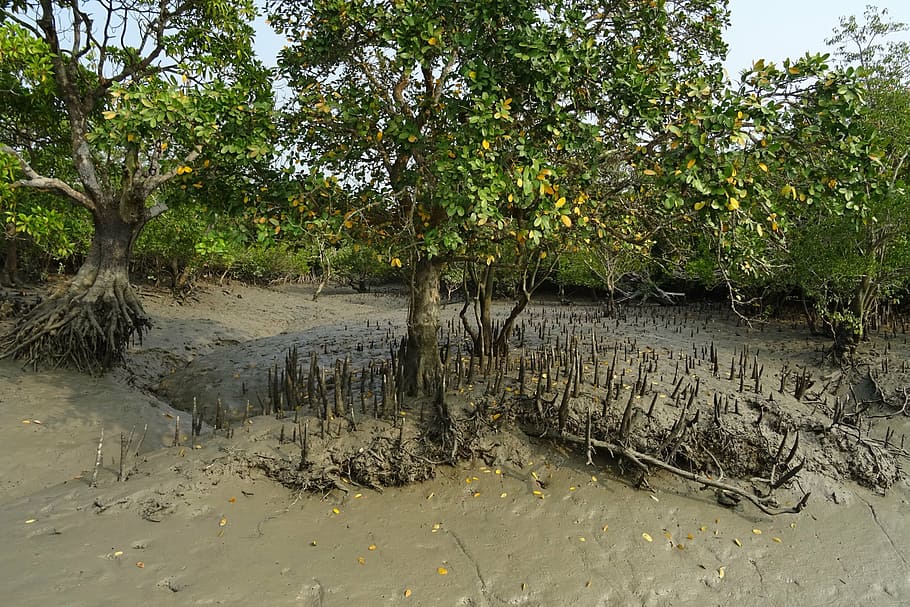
pixel 9 274
pixel 852 330
pixel 88 323
pixel 421 360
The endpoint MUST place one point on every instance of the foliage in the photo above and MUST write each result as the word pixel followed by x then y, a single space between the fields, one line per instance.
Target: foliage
pixel 849 263
pixel 462 127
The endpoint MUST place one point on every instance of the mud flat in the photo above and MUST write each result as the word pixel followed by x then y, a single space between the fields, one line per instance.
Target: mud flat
pixel 524 522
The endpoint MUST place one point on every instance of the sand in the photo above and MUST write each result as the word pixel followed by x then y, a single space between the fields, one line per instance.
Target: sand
pixel 193 526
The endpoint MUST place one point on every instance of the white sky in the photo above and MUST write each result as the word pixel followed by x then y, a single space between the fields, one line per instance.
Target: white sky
pixel 776 29
pixel 761 29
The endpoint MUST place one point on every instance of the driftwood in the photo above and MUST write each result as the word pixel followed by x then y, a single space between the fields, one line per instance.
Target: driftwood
pixel 643 460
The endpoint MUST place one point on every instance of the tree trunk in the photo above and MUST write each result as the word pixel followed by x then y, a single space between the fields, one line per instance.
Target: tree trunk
pixel 9 274
pixel 88 323
pixel 851 330
pixel 421 360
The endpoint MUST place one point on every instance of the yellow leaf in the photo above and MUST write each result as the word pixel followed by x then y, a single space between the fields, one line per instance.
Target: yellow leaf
pixel 442 571
pixel 361 560
pixel 794 70
pixel 763 166
pixel 336 511
pixel 756 531
pixel 732 204
pixel 485 144
pixel 412 138
pixel 566 221
pixel 109 115
pixel 720 572
pixel 433 41
pixel 407 592
pixel 737 542
pixel 396 263
pixel 379 136
pixel 700 205
pixel 371 547
pixel 222 522
pixel 776 539
pixel 650 172
pixel 691 163
pixel 647 537
pixel 561 202
pixel 760 231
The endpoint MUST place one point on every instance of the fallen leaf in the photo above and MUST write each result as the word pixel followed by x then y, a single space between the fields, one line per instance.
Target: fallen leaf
pixel 407 592
pixel 442 571
pixel 654 497
pixel 26 421
pixel 756 531
pixel 689 536
pixel 581 539
pixel 357 496
pixel 606 528
pixel 361 560
pixel 776 539
pixel 720 572
pixel 118 553
pixel 647 537
pixel 30 521
pixel 222 522
pixel 336 511
pixel 371 547
pixel 737 542
pixel 476 494
pixel 503 494
pixel 232 500
pixel 141 565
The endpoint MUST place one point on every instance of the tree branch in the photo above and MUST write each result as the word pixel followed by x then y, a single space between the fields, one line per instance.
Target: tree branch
pixel 46 184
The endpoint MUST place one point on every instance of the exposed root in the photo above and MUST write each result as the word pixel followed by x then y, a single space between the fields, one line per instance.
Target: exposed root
pixel 85 328
pixel 643 460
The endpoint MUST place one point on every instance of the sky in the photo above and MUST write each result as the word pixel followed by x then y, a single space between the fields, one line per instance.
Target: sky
pixel 776 29
pixel 761 29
